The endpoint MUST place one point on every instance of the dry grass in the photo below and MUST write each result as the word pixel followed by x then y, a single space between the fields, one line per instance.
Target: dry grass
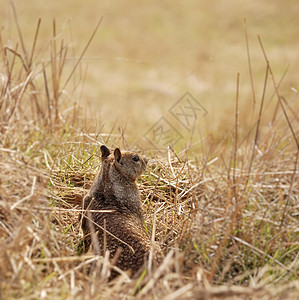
pixel 227 219
pixel 153 54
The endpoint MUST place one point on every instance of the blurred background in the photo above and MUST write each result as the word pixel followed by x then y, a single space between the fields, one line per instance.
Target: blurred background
pixel 146 55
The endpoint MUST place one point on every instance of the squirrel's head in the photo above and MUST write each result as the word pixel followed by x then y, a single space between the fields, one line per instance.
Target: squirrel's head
pixel 129 164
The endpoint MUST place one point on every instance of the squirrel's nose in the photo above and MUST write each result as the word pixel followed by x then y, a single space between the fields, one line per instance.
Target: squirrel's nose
pixel 146 160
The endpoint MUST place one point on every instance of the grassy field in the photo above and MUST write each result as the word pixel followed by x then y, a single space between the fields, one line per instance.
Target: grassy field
pixel 221 191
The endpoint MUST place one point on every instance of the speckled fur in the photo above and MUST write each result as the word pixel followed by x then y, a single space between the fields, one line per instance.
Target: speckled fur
pixel 115 189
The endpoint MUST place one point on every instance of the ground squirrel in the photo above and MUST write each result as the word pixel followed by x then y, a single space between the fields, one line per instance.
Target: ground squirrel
pixel 115 189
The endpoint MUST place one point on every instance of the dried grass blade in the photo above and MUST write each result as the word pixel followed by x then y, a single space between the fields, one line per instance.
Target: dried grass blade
pixel 82 54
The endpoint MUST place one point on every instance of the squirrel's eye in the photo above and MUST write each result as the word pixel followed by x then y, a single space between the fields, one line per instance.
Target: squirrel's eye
pixel 136 158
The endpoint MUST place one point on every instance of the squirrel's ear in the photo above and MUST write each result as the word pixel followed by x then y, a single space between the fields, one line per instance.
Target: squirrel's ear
pixel 117 156
pixel 105 152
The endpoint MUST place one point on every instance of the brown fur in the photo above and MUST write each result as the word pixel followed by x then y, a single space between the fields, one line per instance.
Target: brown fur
pixel 115 189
